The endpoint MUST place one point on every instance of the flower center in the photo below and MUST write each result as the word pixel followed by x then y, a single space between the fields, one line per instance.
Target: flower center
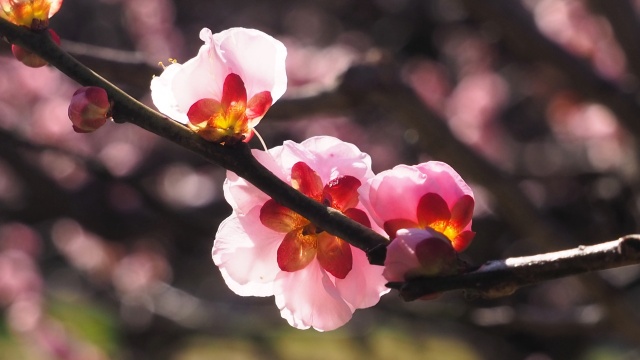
pixel 304 241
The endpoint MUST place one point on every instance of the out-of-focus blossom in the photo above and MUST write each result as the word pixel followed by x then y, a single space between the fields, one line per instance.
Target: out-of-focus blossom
pixel 34 14
pixel 265 249
pixel 89 109
pixel 572 25
pixel 29 58
pixel 428 195
pixel 224 92
pixel 418 252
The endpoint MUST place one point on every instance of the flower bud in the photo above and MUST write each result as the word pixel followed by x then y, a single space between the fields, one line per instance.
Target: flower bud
pixel 30 59
pixel 418 252
pixel 89 109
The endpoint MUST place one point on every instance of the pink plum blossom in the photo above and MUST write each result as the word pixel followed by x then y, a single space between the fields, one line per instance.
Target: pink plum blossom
pixel 428 195
pixel 265 249
pixel 224 92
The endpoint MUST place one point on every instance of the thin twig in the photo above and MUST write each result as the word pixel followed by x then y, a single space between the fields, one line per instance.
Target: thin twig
pixel 502 277
pixel 237 158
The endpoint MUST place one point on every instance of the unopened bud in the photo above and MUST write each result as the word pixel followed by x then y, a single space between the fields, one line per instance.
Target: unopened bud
pixel 30 59
pixel 89 109
pixel 419 252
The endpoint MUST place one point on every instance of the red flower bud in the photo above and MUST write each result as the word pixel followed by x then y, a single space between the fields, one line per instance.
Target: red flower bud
pixel 89 109
pixel 30 59
pixel 418 252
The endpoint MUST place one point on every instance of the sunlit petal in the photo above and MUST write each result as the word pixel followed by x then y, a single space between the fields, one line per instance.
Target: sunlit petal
pixel 342 192
pixel 334 255
pixel 296 251
pixel 280 218
pixel 305 180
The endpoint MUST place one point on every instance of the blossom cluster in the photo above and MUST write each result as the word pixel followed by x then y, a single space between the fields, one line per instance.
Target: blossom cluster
pixel 265 249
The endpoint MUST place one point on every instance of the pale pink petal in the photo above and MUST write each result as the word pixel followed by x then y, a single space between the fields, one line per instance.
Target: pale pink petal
pixel 162 94
pixel 196 79
pixel 364 285
pixel 243 196
pixel 329 157
pixel 258 58
pixel 245 251
pixel 308 298
pixel 401 257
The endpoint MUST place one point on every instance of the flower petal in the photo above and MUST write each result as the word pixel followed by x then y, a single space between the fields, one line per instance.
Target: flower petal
pixel 257 106
pixel 331 157
pixel 280 218
pixel 401 257
pixel 391 227
pixel 342 192
pixel 309 298
pixel 297 250
pixel 245 252
pixel 54 7
pixel 394 194
pixel 233 92
pixel 365 284
pixel 462 212
pixel 463 240
pixel 305 180
pixel 258 58
pixel 433 212
pixel 334 255
pixel 359 216
pixel 203 110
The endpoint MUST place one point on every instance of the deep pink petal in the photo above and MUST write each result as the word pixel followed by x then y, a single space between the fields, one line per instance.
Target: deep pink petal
pixel 258 106
pixel 392 226
pixel 203 110
pixel 296 251
pixel 280 218
pixel 359 216
pixel 462 212
pixel 309 298
pixel 245 252
pixel 342 193
pixel 433 212
pixel 463 240
pixel 436 256
pixel 233 92
pixel 305 180
pixel 334 255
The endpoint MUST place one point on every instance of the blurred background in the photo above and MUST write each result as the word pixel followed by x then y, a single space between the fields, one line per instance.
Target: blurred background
pixel 105 238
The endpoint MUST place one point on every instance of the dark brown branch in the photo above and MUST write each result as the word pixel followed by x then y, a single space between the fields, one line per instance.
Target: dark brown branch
pixel 237 159
pixel 503 277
